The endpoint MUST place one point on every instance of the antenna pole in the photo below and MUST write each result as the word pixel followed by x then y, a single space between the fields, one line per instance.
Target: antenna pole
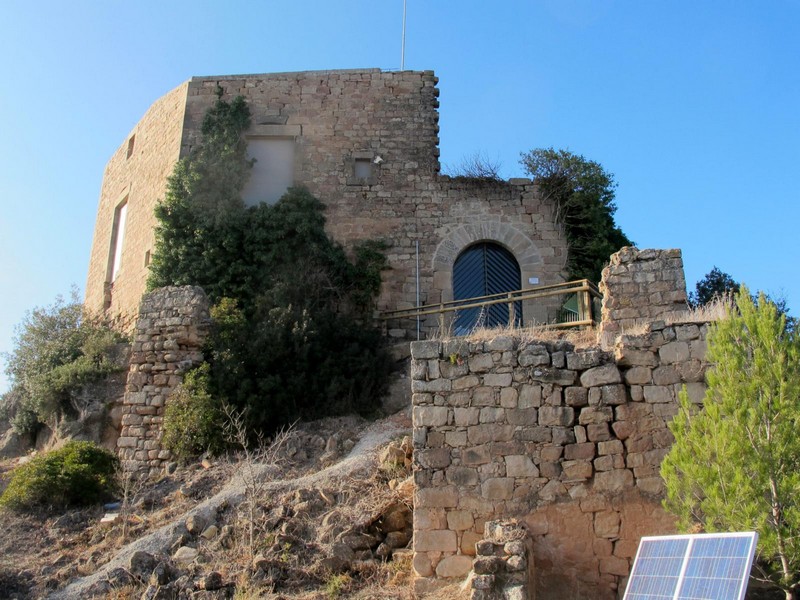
pixel 403 44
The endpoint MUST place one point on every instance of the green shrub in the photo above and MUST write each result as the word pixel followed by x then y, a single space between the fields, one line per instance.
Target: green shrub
pixel 78 473
pixel 293 310
pixel 57 350
pixel 193 418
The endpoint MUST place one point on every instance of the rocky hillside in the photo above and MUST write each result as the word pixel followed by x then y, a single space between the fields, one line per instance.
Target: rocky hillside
pixel 324 512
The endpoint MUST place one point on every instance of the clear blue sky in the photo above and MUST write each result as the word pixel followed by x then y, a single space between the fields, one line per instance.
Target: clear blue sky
pixel 694 106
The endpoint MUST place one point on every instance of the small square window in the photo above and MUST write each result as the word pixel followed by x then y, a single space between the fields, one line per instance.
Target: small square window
pixel 362 168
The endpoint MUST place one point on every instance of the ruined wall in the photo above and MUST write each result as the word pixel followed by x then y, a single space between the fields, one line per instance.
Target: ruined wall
pixel 140 179
pixel 641 285
pixel 569 440
pixel 168 339
pixel 336 118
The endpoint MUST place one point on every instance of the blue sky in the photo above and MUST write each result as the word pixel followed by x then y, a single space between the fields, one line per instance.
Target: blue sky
pixel 694 106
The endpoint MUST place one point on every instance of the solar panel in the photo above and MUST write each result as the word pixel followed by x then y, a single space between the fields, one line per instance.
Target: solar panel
pixel 712 566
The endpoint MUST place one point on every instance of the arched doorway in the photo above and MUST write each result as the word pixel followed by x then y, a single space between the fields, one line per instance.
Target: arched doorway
pixel 483 269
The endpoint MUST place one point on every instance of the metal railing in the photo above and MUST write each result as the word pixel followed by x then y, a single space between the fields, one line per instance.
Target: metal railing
pixel 585 315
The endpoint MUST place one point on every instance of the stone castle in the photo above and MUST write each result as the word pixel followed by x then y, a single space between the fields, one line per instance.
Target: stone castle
pixel 567 441
pixel 365 142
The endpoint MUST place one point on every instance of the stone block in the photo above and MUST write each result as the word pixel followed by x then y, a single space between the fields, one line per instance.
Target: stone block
pixel 610 447
pixel 422 565
pixel 442 497
pixel 602 375
pixel 520 466
pixel 534 434
pixel 454 566
pixel 585 451
pixel 561 377
pixel 460 520
pixel 613 481
pixel 606 524
pixel 658 394
pixel 482 434
pixel 430 518
pixel 534 356
pixel 464 417
pixel 580 361
pixel 484 396
pixel 638 376
pixel 465 383
pixel 435 541
pixel 433 458
pixel 430 416
pixel 598 432
pixel 492 415
pixel 613 395
pixel 480 363
pixel 509 397
pixel 477 455
pixel 666 375
pixel 576 470
pixel 595 414
pixel 674 352
pixel 556 416
pixel 614 565
pixel 576 396
pixel 462 476
pixel 498 488
pixel 631 357
pixel 435 385
pixel 521 416
pixel 530 396
pixel 497 379
pixel 425 349
pixel 468 541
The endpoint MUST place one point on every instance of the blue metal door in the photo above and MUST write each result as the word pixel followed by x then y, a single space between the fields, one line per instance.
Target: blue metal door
pixel 480 270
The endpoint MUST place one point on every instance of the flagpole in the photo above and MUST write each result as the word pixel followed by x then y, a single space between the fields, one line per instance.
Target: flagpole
pixel 403 45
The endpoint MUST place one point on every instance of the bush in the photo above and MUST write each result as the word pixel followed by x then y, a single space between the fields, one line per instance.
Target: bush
pixel 57 350
pixel 78 473
pixel 193 418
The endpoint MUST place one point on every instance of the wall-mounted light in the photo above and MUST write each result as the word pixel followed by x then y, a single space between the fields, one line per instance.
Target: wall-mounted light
pixel 377 160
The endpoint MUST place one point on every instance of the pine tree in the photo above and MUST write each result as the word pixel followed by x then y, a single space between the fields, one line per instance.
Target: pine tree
pixel 735 463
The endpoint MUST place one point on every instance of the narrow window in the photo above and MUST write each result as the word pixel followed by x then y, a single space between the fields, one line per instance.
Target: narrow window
pixel 117 238
pixel 273 171
pixel 130 146
pixel 147 258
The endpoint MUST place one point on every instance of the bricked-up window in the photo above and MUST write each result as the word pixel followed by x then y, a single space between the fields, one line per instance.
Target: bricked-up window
pixel 131 142
pixel 363 168
pixel 117 239
pixel 273 171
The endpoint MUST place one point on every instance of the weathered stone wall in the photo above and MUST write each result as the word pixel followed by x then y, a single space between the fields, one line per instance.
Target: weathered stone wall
pixel 569 440
pixel 140 180
pixel 335 118
pixel 168 339
pixel 641 285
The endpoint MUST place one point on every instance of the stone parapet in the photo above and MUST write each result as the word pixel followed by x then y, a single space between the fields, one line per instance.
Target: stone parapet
pixel 170 332
pixel 569 440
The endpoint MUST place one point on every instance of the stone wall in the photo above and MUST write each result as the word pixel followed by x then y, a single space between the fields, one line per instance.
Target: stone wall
pixel 336 118
pixel 641 285
pixel 568 440
pixel 168 339
pixel 137 177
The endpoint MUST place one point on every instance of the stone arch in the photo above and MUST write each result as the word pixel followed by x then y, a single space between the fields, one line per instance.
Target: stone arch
pixel 518 243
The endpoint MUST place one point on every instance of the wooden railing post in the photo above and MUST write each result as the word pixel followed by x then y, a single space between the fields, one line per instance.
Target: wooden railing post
pixel 441 320
pixel 512 317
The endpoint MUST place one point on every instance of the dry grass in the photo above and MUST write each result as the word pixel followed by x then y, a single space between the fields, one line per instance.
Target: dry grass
pixel 580 338
pixel 715 310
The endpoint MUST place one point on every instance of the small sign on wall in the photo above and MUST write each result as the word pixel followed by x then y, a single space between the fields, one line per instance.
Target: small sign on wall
pixel 533 280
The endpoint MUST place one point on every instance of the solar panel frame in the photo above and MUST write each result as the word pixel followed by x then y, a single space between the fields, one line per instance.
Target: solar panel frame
pixel 709 566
